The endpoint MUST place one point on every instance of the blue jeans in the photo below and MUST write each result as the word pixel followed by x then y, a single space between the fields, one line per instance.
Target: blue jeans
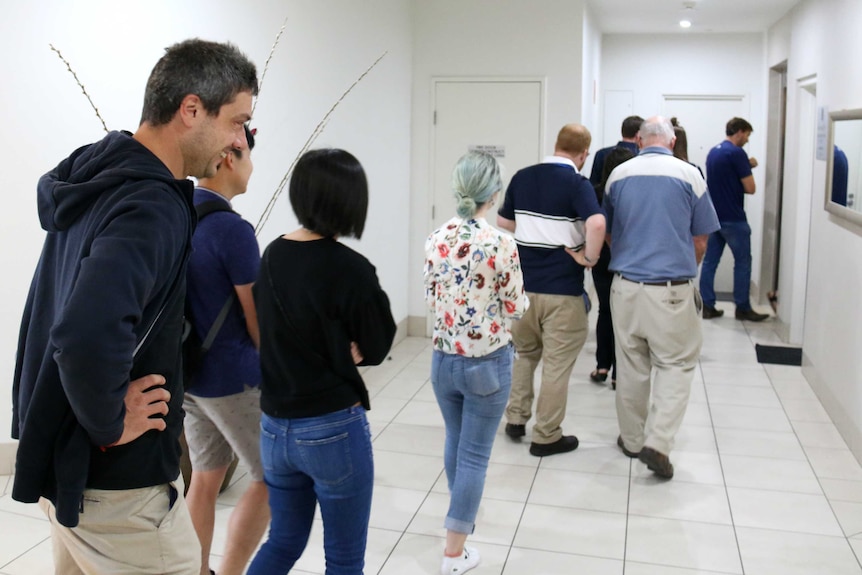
pixel 325 459
pixel 737 235
pixel 472 393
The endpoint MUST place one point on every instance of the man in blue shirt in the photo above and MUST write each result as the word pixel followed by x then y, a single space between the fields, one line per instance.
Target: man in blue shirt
pixel 659 218
pixel 629 133
pixel 550 207
pixel 728 172
pixel 222 403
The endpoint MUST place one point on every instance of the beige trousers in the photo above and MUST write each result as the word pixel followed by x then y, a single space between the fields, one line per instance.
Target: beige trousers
pixel 127 532
pixel 657 330
pixel 553 330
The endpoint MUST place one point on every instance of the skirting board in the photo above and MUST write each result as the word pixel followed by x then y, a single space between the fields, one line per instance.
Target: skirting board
pixel 417 326
pixel 836 409
pixel 7 456
pixel 10 447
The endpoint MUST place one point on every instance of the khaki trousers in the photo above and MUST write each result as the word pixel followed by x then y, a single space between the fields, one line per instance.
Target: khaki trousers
pixel 127 532
pixel 553 330
pixel 657 329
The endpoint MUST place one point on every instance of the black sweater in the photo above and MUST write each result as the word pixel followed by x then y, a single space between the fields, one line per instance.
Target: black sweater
pixel 313 298
pixel 119 234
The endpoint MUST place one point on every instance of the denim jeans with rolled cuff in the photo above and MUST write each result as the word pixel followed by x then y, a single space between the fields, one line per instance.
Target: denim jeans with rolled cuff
pixel 472 393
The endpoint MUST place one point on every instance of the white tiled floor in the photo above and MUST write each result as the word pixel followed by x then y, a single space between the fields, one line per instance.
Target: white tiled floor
pixel 764 483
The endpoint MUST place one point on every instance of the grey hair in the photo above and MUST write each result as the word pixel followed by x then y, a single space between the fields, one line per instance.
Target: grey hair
pixel 475 180
pixel 658 130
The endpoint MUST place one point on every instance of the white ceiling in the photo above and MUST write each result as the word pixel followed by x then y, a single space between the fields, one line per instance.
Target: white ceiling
pixel 706 16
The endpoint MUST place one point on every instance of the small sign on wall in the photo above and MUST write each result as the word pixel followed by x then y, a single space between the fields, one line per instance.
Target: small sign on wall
pixel 495 151
pixel 822 127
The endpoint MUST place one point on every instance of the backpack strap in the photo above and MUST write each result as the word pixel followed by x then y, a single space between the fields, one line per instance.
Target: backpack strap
pixel 204 209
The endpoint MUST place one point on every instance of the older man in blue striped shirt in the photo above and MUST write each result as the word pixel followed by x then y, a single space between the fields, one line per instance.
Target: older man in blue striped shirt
pixel 659 218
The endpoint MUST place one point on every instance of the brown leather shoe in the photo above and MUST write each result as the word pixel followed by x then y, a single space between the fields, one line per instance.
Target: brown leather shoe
pixel 657 462
pixel 622 445
pixel 750 315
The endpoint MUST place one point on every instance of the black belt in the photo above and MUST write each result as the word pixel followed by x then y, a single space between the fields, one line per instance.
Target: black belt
pixel 664 283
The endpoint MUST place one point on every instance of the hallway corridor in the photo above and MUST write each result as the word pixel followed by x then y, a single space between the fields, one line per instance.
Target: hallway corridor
pixel 764 483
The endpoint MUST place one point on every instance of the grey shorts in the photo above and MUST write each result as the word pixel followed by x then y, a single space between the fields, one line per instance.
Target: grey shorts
pixel 218 427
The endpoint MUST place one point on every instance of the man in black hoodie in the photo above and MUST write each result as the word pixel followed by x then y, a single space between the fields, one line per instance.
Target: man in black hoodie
pixel 97 393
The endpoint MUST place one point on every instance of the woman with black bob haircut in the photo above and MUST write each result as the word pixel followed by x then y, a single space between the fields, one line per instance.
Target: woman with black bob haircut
pixel 322 313
pixel 329 193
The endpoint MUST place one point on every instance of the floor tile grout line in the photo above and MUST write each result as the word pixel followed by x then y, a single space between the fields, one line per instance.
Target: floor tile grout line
pixel 20 555
pixel 694 570
pixel 407 526
pixel 807 458
pixel 628 511
pixel 723 476
pixel 521 517
pixel 829 501
pixel 388 423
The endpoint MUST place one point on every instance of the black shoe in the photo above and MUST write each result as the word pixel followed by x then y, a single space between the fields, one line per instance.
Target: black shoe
pixel 657 462
pixel 516 430
pixel 598 377
pixel 750 315
pixel 622 445
pixel 562 445
pixel 711 312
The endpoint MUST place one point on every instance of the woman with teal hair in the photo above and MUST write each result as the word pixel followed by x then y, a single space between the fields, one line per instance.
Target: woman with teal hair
pixel 474 287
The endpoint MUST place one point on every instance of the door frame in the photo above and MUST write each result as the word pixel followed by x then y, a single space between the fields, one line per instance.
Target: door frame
pixel 543 96
pixel 435 80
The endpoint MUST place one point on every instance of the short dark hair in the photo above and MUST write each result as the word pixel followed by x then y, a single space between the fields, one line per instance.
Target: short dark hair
pixel 329 193
pixel 614 158
pixel 631 126
pixel 214 72
pixel 249 137
pixel 734 125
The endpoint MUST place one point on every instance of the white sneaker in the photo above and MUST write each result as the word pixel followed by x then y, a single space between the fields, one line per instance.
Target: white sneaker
pixel 458 565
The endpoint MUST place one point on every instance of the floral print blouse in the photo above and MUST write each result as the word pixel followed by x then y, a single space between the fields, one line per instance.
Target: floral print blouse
pixel 474 286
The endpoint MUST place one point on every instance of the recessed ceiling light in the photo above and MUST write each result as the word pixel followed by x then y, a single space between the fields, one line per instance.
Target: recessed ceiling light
pixel 685 24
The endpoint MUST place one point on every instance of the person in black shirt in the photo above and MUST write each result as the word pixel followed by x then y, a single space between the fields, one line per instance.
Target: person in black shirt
pixel 322 312
pixel 602 278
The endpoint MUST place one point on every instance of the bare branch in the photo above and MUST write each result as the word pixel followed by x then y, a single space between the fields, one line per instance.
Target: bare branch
pixel 314 134
pixel 83 89
pixel 266 64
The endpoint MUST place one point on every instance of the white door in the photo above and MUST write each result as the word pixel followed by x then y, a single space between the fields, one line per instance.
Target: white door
pixel 503 117
pixel 704 119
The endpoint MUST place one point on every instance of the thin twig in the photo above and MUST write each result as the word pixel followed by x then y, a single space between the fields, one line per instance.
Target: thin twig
pixel 317 131
pixel 266 64
pixel 83 89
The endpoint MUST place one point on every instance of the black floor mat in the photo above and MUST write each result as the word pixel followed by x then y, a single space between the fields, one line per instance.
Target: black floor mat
pixel 778 354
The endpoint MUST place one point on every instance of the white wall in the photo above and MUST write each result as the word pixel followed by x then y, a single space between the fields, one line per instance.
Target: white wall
pixel 821 37
pixel 715 64
pixel 113 46
pixel 591 83
pixel 510 38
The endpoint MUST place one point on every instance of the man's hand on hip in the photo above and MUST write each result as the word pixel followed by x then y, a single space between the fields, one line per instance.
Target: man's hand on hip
pixel 145 398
